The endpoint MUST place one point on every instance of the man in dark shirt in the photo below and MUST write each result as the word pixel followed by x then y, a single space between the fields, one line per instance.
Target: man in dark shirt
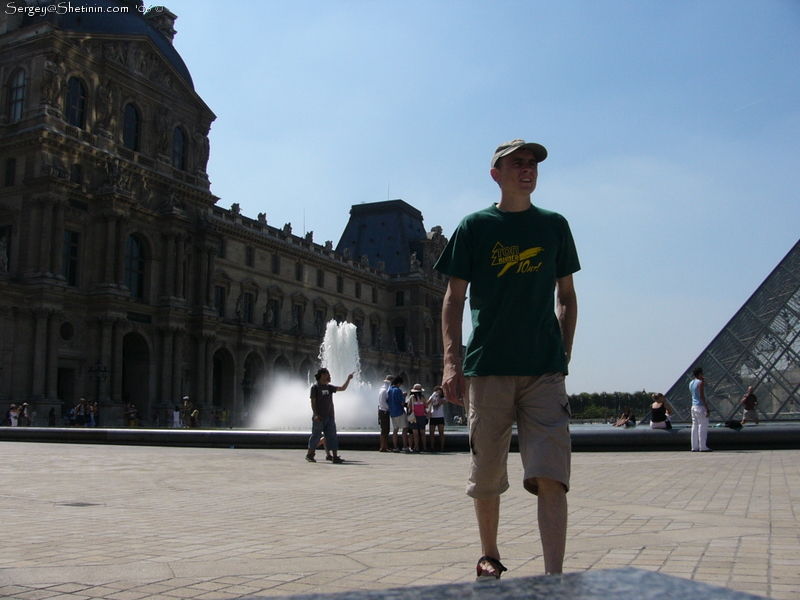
pixel 324 421
pixel 513 256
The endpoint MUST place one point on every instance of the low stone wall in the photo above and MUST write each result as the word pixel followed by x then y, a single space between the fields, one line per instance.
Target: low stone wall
pixel 600 439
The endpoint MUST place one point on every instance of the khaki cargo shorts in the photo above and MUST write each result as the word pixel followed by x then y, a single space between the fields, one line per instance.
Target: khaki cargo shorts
pixel 540 407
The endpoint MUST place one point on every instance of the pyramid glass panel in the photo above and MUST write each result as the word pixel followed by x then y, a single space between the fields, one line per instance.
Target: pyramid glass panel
pixel 759 347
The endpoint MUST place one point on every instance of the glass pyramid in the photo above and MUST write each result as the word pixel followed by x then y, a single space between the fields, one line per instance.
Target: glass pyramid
pixel 760 346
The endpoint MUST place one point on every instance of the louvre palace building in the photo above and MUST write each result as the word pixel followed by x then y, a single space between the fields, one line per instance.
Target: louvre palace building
pixel 122 280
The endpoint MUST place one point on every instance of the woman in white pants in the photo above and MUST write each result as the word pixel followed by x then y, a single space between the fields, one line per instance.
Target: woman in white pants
pixel 700 412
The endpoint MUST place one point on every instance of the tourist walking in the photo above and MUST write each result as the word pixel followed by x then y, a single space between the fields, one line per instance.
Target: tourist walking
pixel 80 413
pixel 324 419
pixel 383 413
pixel 436 403
pixel 513 256
pixel 700 411
pixel 418 406
pixel 188 408
pixel 131 414
pixel 24 415
pixel 397 410
pixel 12 416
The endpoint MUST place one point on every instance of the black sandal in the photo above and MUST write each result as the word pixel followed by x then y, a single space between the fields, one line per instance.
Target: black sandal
pixel 494 563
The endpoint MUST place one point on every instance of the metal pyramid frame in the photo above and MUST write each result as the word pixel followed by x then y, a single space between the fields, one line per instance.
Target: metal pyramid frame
pixel 759 347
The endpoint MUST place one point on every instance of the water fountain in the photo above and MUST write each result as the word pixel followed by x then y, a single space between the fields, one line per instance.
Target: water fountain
pixel 285 404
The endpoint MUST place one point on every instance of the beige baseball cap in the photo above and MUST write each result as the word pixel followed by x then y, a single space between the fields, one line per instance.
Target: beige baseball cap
pixel 539 151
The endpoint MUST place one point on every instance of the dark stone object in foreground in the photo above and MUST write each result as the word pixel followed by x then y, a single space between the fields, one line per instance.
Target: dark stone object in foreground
pixel 601 439
pixel 614 584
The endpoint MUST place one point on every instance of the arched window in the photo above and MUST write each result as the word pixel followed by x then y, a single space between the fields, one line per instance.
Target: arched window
pixel 130 128
pixel 178 149
pixel 75 107
pixel 16 96
pixel 134 266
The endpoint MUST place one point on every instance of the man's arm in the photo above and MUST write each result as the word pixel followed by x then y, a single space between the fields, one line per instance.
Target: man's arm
pixel 701 390
pixel 567 311
pixel 342 388
pixel 454 383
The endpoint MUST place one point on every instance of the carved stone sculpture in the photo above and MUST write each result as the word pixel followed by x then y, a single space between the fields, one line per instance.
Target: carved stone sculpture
pixel 104 103
pixel 52 84
pixel 201 149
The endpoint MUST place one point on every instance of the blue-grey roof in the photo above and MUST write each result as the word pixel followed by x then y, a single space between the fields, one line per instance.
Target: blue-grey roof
pixel 385 231
pixel 131 22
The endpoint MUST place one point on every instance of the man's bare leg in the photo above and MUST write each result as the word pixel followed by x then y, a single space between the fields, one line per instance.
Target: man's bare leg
pixel 552 523
pixel 487 510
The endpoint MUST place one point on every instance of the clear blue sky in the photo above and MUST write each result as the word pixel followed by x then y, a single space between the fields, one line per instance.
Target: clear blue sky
pixel 673 130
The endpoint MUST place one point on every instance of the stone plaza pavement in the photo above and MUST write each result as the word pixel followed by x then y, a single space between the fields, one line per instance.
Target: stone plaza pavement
pixel 130 522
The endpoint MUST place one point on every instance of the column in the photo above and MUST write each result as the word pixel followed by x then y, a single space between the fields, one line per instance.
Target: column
pixel 106 342
pixel 19 374
pixel 46 234
pixel 180 244
pixel 209 369
pixel 119 256
pixel 111 248
pixel 166 365
pixel 34 247
pixel 169 258
pixel 209 298
pixel 200 290
pixel 238 393
pixel 51 381
pixel 177 363
pixel 57 242
pixel 40 316
pixel 117 364
pixel 199 393
pixel 6 343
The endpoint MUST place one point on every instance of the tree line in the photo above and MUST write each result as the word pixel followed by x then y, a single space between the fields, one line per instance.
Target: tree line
pixel 609 405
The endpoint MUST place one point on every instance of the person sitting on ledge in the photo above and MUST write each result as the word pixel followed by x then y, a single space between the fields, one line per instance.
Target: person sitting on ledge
pixel 749 402
pixel 660 410
pixel 627 419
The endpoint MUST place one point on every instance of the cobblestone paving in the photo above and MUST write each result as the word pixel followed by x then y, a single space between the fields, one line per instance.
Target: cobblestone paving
pixel 126 522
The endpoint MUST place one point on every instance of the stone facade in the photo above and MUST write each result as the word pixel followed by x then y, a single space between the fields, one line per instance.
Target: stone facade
pixel 120 277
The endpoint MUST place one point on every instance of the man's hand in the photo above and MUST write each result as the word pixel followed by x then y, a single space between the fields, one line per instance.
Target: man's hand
pixel 317 418
pixel 454 384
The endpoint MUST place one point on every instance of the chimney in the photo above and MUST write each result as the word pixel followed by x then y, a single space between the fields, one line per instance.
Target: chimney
pixel 162 19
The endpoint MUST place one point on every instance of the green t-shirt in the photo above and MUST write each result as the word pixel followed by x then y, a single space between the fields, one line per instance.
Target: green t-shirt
pixel 512 261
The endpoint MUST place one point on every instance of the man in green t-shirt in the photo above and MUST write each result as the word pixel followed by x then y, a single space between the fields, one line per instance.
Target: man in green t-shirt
pixel 518 260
